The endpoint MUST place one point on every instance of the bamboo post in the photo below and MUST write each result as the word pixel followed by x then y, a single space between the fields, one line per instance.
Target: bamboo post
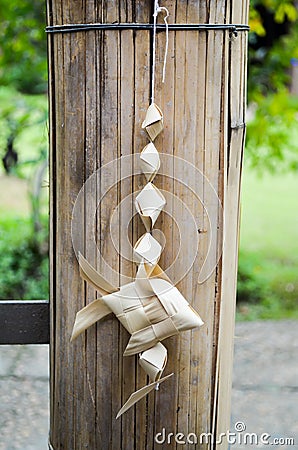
pixel 99 86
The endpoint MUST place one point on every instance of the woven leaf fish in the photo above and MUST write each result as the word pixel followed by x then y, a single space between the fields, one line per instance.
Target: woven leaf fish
pixel 150 308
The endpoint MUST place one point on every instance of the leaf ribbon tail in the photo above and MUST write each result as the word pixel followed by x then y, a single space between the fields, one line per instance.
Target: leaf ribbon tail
pixel 88 316
pixel 138 395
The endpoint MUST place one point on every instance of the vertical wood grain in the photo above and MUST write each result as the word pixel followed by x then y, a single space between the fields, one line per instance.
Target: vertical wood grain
pixel 232 177
pixel 143 413
pixel 99 93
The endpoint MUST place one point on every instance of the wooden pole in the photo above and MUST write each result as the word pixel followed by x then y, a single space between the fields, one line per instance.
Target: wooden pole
pixel 99 92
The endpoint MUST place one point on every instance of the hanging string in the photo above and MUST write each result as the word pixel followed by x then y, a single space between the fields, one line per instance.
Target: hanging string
pixel 157 10
pixel 167 42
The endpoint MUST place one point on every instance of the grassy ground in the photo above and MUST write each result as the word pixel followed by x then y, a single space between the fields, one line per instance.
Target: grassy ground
pixel 269 244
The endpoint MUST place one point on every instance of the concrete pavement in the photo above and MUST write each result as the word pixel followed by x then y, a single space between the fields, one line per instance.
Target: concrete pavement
pixel 265 388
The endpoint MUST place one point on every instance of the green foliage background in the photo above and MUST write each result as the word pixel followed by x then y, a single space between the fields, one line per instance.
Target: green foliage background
pixel 272 131
pixel 23 117
pixel 24 260
pixel 272 136
pixel 23 45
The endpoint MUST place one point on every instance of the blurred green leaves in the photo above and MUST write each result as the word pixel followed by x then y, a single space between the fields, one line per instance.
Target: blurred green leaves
pixel 23 61
pixel 23 120
pixel 24 260
pixel 272 133
pixel 281 9
pixel 23 116
pixel 273 111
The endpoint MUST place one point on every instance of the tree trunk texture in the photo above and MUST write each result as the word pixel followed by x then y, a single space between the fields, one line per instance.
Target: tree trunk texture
pixel 99 83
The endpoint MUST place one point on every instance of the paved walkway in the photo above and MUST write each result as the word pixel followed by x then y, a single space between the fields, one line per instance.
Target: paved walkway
pixel 24 392
pixel 265 393
pixel 265 385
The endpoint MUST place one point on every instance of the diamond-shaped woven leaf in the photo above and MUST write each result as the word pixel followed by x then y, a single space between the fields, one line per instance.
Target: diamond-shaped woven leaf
pixel 147 250
pixel 150 161
pixel 153 122
pixel 149 203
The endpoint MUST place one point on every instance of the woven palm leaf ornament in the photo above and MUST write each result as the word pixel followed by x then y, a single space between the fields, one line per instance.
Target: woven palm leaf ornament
pixel 150 308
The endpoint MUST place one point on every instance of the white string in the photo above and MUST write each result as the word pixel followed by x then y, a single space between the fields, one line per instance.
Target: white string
pixel 167 42
pixel 157 10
